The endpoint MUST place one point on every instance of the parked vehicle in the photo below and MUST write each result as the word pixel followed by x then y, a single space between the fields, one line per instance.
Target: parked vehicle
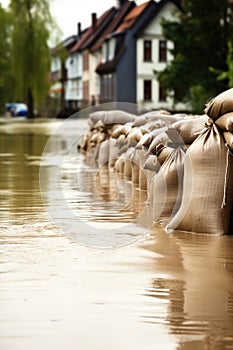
pixel 16 109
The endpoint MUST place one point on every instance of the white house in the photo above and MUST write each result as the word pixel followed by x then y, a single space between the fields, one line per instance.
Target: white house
pixel 153 54
pixel 74 87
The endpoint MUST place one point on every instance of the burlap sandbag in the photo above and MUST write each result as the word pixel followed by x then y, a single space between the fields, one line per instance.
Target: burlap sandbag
pixel 154 125
pixel 113 152
pixel 161 139
pixel 103 155
pixel 135 135
pixel 166 117
pixel 145 141
pixel 121 141
pixel 228 137
pixel 153 162
pixel 128 163
pixel 225 122
pixel 207 190
pixel 167 186
pixel 138 159
pixel 139 121
pixel 119 165
pixel 190 128
pixel 220 105
pixel 112 117
pixel 121 130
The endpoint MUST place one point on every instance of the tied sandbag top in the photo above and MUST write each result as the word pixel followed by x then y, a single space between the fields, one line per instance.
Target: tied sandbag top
pixel 207 189
pixel 191 127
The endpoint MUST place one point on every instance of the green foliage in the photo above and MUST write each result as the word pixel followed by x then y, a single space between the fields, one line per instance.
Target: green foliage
pixel 200 36
pixel 199 97
pixel 6 78
pixel 30 50
pixel 228 74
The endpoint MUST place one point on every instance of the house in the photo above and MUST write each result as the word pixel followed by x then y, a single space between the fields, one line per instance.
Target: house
pixel 114 60
pixel 58 72
pixel 86 77
pixel 123 7
pixel 74 66
pixel 132 52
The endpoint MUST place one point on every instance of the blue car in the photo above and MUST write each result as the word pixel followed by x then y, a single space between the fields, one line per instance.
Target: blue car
pixel 17 109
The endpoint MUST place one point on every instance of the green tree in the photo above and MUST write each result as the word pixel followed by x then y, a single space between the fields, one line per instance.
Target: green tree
pixel 228 74
pixel 200 34
pixel 31 27
pixel 6 82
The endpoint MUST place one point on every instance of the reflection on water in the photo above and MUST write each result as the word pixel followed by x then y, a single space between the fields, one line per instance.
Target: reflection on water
pixel 161 292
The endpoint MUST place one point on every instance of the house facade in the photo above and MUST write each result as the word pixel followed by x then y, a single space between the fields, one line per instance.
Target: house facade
pixel 115 59
pixel 131 55
pixel 58 72
pixel 73 89
pixel 153 54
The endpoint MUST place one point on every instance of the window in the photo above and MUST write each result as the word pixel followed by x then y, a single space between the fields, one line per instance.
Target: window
pixel 162 51
pixel 162 94
pixel 147 51
pixel 85 61
pixel 147 90
pixel 86 91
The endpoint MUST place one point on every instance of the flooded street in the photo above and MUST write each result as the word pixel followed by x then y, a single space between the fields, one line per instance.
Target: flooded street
pixel 60 291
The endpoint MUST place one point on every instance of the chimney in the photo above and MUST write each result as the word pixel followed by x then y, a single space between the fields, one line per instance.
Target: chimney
pixel 120 3
pixel 79 30
pixel 93 21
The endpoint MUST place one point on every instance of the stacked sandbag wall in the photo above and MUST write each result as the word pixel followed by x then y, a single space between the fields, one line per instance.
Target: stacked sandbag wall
pixel 184 162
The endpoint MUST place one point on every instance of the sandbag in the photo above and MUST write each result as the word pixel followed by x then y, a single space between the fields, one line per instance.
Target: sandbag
pixel 138 158
pixel 225 122
pixel 166 117
pixel 112 117
pixel 190 128
pixel 121 141
pixel 154 125
pixel 167 186
pixel 139 121
pixel 228 137
pixel 220 105
pixel 113 152
pixel 135 135
pixel 117 131
pixel 103 155
pixel 151 163
pixel 163 153
pixel 207 190
pixel 160 139
pixel 145 141
pixel 119 165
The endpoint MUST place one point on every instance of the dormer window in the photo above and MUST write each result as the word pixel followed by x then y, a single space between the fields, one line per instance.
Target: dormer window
pixel 147 55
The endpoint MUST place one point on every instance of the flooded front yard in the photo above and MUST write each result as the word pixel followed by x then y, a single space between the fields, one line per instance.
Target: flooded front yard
pixel 59 290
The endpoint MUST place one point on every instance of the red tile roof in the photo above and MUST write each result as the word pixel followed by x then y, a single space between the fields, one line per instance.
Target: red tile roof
pixel 131 18
pixel 89 35
pixel 116 21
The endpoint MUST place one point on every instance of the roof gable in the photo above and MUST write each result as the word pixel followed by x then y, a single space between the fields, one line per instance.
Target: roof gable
pixel 121 13
pixel 89 36
pixel 132 17
pixel 137 13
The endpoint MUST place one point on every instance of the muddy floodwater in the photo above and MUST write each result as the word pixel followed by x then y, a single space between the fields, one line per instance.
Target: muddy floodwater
pixel 156 291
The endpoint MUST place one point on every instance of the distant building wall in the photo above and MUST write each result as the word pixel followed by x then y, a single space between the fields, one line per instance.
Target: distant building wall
pixel 153 54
